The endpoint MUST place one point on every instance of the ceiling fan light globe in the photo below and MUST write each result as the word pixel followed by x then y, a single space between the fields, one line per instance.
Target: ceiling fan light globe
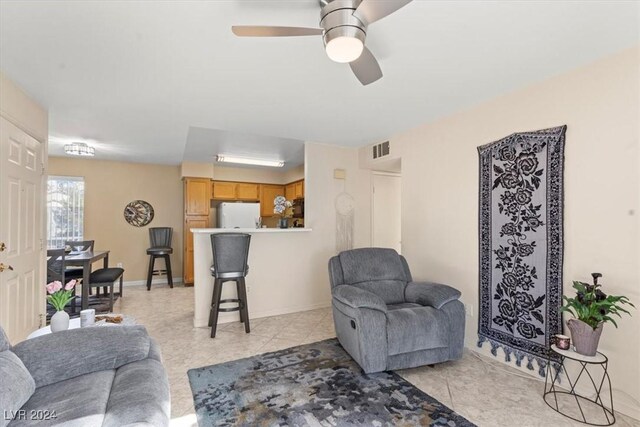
pixel 344 49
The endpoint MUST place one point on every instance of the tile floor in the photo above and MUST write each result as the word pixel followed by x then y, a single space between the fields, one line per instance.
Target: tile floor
pixel 479 388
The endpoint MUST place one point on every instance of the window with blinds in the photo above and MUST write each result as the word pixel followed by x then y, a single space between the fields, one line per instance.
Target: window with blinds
pixel 65 210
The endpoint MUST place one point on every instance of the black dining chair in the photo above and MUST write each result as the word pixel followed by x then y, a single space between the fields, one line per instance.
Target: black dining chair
pixel 160 239
pixel 74 272
pixel 230 256
pixel 56 270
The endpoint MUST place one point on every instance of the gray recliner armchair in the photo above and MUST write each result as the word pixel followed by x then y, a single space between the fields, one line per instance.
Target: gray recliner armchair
pixel 387 321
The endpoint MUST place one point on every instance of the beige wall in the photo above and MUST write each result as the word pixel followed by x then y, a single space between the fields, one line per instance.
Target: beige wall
pixel 600 105
pixel 109 186
pixel 20 109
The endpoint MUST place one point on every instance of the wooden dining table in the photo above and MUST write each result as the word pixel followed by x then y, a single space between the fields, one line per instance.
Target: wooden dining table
pixel 85 259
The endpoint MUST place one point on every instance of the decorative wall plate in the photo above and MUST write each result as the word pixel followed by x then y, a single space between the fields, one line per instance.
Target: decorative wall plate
pixel 138 213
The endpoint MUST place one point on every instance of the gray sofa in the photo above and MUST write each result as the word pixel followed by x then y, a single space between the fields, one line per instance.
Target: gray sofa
pixel 387 321
pixel 100 376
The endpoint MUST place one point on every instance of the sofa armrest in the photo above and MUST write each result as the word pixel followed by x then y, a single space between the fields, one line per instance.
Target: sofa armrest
pixel 432 294
pixel 62 355
pixel 355 297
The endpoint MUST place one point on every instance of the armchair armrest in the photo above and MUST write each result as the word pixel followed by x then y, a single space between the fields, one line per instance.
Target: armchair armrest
pixel 355 297
pixel 62 355
pixel 432 294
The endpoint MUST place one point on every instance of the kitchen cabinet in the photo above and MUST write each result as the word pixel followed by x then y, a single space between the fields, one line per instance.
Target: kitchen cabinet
pixel 290 191
pixel 294 190
pixel 221 190
pixel 268 192
pixel 197 199
pixel 196 196
pixel 230 191
pixel 299 189
pixel 187 265
pixel 247 191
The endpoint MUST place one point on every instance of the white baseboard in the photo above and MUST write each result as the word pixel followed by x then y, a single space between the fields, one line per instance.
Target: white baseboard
pixel 160 281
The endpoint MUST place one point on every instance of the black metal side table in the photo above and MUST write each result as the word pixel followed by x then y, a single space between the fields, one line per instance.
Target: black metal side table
pixel 552 391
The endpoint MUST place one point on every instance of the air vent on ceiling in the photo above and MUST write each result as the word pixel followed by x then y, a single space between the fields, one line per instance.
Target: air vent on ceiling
pixel 381 150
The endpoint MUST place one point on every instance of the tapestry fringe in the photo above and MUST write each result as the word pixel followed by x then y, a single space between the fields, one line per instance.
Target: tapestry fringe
pixel 519 355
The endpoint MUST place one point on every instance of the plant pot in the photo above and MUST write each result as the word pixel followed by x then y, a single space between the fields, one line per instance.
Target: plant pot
pixel 283 223
pixel 59 321
pixel 585 338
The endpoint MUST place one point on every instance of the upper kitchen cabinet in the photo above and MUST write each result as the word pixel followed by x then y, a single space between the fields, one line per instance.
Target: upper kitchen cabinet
pixel 247 191
pixel 268 192
pixel 290 191
pixel 230 191
pixel 196 196
pixel 221 190
pixel 299 190
pixel 295 190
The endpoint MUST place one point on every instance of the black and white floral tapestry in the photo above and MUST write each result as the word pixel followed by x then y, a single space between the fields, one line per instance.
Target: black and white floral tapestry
pixel 521 245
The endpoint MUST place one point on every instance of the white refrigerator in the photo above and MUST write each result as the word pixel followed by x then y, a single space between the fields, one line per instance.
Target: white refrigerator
pixel 238 215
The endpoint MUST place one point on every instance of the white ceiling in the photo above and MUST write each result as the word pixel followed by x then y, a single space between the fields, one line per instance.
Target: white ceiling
pixel 135 76
pixel 204 144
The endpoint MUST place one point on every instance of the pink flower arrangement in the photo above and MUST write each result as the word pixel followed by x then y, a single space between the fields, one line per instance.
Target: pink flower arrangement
pixel 58 295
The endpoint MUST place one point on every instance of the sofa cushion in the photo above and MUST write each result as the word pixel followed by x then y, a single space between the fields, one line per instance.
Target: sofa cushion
pixel 16 385
pixel 371 264
pixel 416 328
pixel 82 351
pixel 77 402
pixel 391 291
pixel 4 341
pixel 139 396
pixel 402 305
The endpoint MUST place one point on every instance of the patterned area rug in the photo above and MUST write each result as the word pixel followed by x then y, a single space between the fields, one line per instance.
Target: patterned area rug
pixel 311 385
pixel 521 195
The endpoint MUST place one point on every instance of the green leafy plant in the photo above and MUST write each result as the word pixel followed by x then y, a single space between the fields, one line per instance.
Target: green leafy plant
pixel 592 306
pixel 59 295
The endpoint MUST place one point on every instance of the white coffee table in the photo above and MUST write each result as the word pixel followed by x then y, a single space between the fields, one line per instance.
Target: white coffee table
pixel 75 324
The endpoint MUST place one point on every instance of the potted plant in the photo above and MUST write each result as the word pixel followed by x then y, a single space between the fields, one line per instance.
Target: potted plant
pixel 58 296
pixel 591 308
pixel 283 207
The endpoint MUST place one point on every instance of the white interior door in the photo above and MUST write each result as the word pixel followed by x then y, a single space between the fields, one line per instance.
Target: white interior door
pixel 386 211
pixel 21 290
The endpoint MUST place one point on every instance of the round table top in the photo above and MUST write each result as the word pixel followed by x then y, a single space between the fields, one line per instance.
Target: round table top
pixel 75 324
pixel 571 354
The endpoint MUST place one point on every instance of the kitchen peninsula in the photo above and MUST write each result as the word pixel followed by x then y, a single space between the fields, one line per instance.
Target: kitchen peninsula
pixel 270 284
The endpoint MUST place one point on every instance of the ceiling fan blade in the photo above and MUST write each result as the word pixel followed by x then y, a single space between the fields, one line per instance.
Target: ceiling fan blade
pixel 366 68
pixel 269 31
pixel 369 11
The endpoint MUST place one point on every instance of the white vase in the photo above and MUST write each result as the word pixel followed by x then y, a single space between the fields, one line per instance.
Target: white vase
pixel 59 321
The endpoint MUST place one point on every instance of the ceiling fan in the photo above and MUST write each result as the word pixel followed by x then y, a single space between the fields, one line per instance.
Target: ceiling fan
pixel 343 29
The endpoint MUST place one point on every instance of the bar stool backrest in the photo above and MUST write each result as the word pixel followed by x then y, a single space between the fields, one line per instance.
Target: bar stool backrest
pixel 160 237
pixel 230 254
pixel 55 265
pixel 80 245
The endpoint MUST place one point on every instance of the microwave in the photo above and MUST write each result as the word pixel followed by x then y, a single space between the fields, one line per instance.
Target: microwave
pixel 298 208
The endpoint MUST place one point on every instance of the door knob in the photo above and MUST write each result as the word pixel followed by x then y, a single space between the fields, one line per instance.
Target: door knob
pixel 5 267
pixel 2 246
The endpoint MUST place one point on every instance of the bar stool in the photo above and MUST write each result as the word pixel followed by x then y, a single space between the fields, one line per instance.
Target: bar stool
pixel 230 254
pixel 160 238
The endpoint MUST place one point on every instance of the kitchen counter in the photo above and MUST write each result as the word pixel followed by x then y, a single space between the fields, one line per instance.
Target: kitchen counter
pixel 247 230
pixel 280 279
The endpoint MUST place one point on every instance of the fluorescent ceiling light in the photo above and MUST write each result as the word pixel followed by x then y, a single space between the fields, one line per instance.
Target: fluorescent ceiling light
pixel 246 161
pixel 79 149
